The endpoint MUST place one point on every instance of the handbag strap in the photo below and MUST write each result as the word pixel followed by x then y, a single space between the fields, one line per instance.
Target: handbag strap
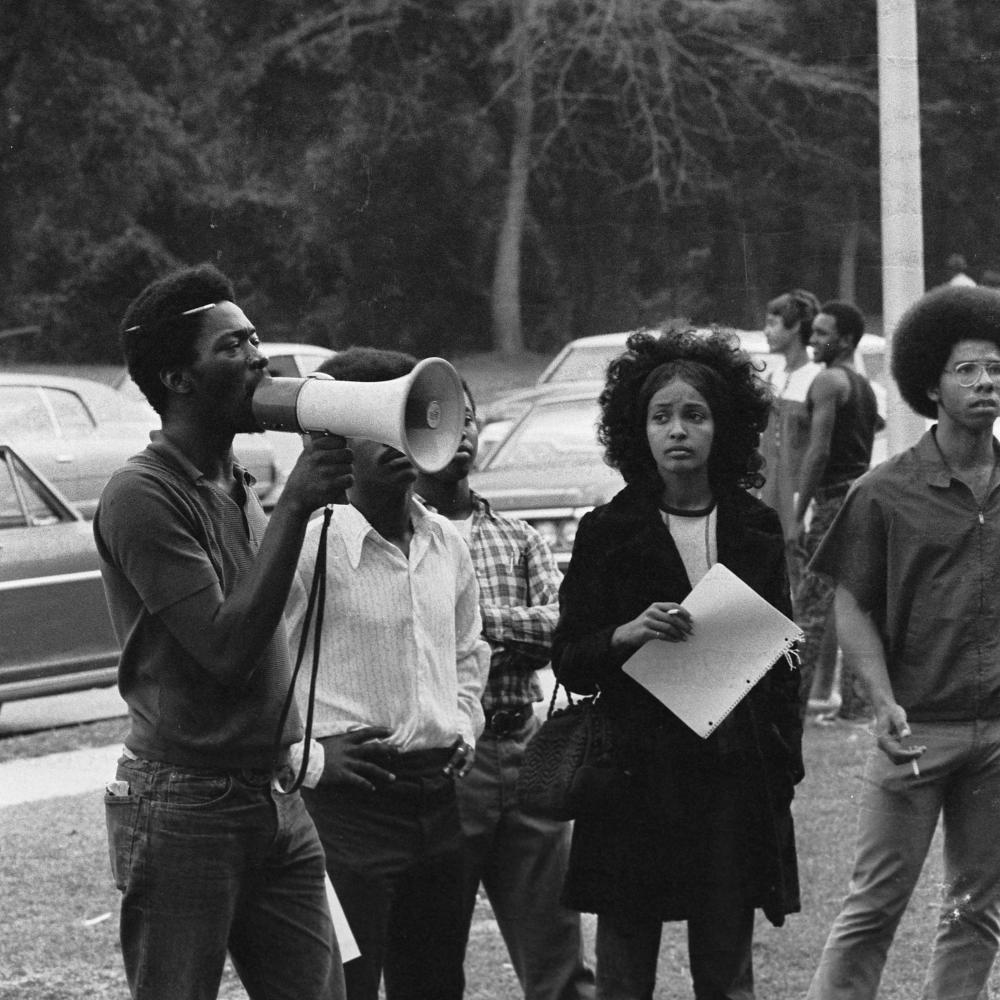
pixel 555 693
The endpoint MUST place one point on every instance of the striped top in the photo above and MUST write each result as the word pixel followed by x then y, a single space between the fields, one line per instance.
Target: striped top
pixel 400 645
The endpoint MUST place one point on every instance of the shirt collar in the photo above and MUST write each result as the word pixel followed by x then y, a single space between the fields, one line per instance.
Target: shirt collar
pixel 933 466
pixel 480 505
pixel 169 452
pixel 355 527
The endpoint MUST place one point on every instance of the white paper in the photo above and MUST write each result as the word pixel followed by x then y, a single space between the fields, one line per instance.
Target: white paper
pixel 345 939
pixel 736 637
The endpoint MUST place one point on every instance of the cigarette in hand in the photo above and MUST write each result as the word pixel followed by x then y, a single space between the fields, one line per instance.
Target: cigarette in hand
pixel 915 767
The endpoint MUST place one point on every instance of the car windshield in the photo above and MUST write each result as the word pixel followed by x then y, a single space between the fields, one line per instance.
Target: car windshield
pixel 558 433
pixel 584 363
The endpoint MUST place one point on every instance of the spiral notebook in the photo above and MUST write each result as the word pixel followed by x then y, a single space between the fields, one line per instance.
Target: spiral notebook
pixel 736 637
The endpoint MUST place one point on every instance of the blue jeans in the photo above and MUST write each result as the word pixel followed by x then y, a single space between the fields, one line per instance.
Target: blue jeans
pixel 959 780
pixel 394 856
pixel 521 862
pixel 210 861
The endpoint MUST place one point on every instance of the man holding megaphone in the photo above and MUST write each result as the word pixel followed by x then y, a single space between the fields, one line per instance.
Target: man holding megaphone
pixel 207 855
pixel 401 670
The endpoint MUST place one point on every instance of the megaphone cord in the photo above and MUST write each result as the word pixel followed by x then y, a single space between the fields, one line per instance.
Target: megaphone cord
pixel 315 604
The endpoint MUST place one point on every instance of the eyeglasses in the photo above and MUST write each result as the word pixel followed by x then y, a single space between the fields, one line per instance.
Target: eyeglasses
pixel 970 372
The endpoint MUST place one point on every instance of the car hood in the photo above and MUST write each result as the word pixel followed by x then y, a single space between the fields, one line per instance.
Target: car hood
pixel 572 486
pixel 510 404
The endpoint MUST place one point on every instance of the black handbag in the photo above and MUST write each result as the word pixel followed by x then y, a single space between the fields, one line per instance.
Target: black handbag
pixel 569 768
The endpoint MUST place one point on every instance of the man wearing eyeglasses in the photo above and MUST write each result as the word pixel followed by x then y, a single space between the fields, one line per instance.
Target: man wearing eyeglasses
pixel 915 556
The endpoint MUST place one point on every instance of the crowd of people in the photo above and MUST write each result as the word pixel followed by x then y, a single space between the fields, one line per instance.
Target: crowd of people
pixel 329 714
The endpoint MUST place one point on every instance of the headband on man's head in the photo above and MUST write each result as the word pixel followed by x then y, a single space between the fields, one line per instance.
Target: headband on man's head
pixel 187 312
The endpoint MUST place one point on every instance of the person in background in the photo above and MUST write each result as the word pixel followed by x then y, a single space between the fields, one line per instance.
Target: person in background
pixel 843 418
pixel 207 855
pixel 702 831
pixel 788 328
pixel 519 859
pixel 915 556
pixel 957 270
pixel 397 712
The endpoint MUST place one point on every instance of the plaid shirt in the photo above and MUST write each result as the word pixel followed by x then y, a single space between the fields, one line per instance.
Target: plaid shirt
pixel 519 602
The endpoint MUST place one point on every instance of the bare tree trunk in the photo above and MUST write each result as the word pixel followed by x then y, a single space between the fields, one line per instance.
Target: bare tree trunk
pixel 506 296
pixel 847 284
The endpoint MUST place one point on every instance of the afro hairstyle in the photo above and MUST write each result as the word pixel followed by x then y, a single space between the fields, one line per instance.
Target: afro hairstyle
pixel 929 330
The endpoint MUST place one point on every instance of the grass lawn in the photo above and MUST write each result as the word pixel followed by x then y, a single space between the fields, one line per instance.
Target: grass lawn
pixel 59 919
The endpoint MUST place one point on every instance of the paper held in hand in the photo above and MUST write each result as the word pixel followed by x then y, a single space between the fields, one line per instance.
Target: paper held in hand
pixel 737 636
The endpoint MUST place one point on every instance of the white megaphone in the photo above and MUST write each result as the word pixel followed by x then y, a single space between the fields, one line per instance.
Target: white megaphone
pixel 422 414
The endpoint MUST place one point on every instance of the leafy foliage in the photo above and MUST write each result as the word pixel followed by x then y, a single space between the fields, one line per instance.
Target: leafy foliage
pixel 352 164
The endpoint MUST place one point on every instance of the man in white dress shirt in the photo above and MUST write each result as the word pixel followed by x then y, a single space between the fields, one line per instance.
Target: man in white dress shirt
pixel 397 711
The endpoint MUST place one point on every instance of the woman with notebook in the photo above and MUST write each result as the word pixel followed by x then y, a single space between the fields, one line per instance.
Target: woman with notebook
pixel 702 830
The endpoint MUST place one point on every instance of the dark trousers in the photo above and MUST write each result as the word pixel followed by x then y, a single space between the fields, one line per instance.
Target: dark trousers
pixel 720 939
pixel 394 858
pixel 521 862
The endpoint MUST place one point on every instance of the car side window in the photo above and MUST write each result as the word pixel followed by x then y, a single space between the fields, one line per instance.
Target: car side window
pixel 72 415
pixel 22 504
pixel 23 410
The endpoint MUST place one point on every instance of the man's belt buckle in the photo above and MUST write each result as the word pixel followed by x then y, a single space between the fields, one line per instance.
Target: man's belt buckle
pixel 504 721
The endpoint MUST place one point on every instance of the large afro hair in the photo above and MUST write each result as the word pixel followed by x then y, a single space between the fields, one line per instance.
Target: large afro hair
pixel 930 328
pixel 721 371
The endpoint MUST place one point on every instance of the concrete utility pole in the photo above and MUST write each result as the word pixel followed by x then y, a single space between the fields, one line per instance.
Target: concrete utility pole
pixel 902 214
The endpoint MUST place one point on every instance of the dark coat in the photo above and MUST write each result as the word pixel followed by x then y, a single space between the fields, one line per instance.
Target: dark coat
pixel 695 815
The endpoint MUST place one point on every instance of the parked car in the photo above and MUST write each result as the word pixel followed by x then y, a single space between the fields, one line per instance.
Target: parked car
pixel 282 450
pixel 77 431
pixel 549 469
pixel 56 631
pixel 582 363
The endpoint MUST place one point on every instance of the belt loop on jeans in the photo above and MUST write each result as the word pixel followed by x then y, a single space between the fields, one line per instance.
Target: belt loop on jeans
pixel 504 721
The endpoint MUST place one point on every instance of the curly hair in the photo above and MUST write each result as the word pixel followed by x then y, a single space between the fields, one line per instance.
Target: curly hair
pixel 155 333
pixel 368 364
pixel 930 328
pixel 721 371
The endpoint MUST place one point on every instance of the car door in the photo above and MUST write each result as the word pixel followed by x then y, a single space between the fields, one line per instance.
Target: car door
pixel 57 633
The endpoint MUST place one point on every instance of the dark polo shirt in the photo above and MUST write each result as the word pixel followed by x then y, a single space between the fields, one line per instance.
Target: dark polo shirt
pixel 164 533
pixel 920 555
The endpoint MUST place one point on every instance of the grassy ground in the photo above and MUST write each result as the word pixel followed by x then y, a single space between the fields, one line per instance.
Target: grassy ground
pixel 59 934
